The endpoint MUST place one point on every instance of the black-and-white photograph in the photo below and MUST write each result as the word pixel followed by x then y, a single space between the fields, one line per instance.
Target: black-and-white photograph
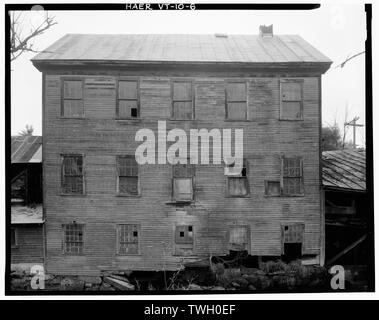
pixel 183 149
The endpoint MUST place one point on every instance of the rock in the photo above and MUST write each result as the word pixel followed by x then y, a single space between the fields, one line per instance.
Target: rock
pixel 106 287
pixel 242 282
pixel 251 279
pixel 194 286
pixel 252 288
pixel 252 271
pixel 235 285
pixel 90 279
pixel 73 284
pixel 217 288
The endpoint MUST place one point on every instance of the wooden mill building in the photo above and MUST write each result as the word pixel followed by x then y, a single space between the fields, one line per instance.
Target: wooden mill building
pixel 103 211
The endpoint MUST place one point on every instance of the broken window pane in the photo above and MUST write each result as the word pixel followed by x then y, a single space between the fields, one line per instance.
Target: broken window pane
pixel 73 238
pixel 128 239
pixel 72 175
pixel 291 100
pixel 127 169
pixel 183 234
pixel 128 102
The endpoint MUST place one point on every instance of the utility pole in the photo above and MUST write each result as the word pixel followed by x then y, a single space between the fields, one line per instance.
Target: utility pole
pixel 353 123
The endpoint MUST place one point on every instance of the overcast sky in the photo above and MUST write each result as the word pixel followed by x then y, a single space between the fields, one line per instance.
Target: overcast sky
pixel 337 31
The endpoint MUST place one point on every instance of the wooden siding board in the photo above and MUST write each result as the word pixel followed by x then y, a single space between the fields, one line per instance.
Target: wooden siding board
pixel 100 137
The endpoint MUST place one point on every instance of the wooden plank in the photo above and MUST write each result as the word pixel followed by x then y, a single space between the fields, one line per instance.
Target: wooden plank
pixel 347 249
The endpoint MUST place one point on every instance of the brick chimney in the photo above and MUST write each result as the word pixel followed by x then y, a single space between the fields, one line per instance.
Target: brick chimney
pixel 266 31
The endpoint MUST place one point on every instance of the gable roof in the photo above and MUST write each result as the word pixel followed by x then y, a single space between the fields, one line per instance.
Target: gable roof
pixel 26 149
pixel 184 48
pixel 344 169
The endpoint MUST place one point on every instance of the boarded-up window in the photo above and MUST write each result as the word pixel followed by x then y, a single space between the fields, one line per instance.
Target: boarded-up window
pixel 13 237
pixel 272 188
pixel 72 98
pixel 128 239
pixel 72 174
pixel 292 176
pixel 127 170
pixel 183 182
pixel 238 185
pixel 291 107
pixel 236 101
pixel 184 234
pixel 182 100
pixel 127 99
pixel 238 238
pixel 73 238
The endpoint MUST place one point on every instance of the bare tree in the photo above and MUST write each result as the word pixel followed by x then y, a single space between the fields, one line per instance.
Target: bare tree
pixel 22 39
pixel 28 131
pixel 341 65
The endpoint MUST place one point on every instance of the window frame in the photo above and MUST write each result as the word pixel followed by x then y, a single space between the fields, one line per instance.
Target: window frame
pixel 248 235
pixel 118 178
pixel 291 80
pixel 236 101
pixel 302 192
pixel 118 229
pixel 83 226
pixel 63 79
pixel 62 193
pixel 227 177
pixel 266 188
pixel 15 244
pixel 127 79
pixel 291 224
pixel 173 178
pixel 182 80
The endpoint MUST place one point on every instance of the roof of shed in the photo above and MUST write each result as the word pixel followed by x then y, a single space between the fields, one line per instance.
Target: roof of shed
pixel 182 48
pixel 344 169
pixel 26 215
pixel 26 149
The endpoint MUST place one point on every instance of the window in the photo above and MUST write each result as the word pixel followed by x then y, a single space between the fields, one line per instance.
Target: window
pixel 184 235
pixel 292 239
pixel 127 170
pixel 183 182
pixel 272 188
pixel 127 235
pixel 291 106
pixel 73 238
pixel 14 237
pixel 72 174
pixel 127 99
pixel 292 176
pixel 237 184
pixel 182 100
pixel 236 101
pixel 72 98
pixel 238 238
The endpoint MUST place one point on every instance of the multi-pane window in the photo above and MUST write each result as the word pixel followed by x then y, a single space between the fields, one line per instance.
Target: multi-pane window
pixel 127 238
pixel 72 181
pixel 127 171
pixel 73 234
pixel 127 99
pixel 72 98
pixel 292 176
pixel 183 182
pixel 184 234
pixel 182 100
pixel 291 101
pixel 236 100
pixel 292 239
pixel 237 184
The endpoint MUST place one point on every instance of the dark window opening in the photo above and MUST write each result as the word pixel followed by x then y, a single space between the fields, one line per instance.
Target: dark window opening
pixel 292 251
pixel 134 112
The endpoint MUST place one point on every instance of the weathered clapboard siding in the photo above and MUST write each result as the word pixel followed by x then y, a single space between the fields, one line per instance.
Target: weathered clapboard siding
pixel 101 138
pixel 29 248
